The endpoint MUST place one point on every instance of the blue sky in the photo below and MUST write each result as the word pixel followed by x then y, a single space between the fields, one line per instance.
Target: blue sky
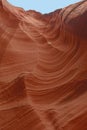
pixel 43 6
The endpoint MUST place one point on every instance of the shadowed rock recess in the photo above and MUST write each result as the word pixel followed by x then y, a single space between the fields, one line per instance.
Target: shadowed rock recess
pixel 43 68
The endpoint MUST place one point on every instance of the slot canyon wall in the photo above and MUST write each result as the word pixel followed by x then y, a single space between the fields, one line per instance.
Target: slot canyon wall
pixel 43 68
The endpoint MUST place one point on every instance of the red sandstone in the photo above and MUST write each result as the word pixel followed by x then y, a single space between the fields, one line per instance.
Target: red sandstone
pixel 43 68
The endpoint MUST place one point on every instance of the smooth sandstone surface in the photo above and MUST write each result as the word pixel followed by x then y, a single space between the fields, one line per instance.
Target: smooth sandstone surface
pixel 43 68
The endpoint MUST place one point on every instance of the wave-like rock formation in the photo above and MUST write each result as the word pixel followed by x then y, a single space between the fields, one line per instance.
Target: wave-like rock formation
pixel 43 68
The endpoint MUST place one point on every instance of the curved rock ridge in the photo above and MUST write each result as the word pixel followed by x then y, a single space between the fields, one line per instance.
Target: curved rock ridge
pixel 43 68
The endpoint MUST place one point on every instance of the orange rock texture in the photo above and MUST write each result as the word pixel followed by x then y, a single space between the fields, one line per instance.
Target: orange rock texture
pixel 43 68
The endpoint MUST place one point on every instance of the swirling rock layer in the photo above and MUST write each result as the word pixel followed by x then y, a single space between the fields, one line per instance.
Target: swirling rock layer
pixel 43 68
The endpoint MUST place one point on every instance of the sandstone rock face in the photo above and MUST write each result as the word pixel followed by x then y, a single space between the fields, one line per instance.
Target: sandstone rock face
pixel 43 68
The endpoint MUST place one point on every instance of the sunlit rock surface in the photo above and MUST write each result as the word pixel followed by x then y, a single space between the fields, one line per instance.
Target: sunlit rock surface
pixel 43 68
